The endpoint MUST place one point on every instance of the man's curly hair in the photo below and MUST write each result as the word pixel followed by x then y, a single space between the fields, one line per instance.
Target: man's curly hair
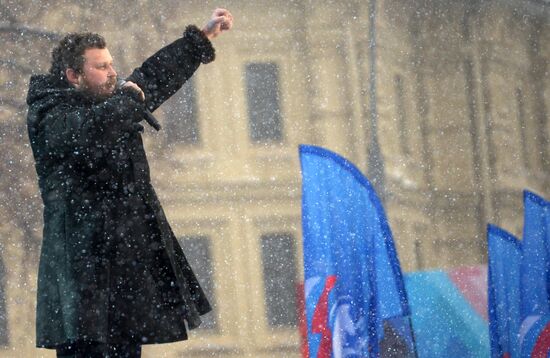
pixel 70 52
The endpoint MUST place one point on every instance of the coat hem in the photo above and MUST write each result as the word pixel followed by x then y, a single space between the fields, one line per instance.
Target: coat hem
pixel 182 337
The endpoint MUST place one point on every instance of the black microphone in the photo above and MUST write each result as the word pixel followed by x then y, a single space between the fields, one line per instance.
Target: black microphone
pixel 149 118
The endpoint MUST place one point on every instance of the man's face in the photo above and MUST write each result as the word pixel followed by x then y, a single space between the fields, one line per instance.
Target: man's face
pixel 98 76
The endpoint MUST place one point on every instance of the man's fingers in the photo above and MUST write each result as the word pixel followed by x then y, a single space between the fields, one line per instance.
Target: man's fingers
pixel 225 16
pixel 225 23
pixel 133 87
pixel 220 21
pixel 217 19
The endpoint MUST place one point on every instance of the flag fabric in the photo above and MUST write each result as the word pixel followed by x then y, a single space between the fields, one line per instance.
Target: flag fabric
pixel 471 282
pixel 356 305
pixel 535 277
pixel 447 323
pixel 504 300
pixel 535 267
pixel 535 343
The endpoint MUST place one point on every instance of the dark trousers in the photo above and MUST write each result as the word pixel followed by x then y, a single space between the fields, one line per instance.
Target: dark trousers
pixel 99 350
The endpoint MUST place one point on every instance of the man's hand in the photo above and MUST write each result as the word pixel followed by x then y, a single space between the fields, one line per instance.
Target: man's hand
pixel 221 20
pixel 131 86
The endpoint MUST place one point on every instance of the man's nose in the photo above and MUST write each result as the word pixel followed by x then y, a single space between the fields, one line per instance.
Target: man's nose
pixel 112 72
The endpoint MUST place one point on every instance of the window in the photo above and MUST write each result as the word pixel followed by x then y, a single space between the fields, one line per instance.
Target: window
pixel 182 126
pixel 401 115
pixel 198 253
pixel 522 130
pixel 279 274
pixel 4 341
pixel 262 86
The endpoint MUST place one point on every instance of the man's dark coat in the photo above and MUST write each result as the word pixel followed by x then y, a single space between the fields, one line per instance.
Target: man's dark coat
pixel 111 269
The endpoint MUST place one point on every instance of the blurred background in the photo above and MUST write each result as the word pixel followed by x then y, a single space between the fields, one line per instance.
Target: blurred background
pixel 442 104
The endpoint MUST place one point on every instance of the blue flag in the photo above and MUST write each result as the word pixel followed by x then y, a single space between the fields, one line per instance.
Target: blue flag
pixel 535 277
pixel 356 305
pixel 505 256
pixel 535 266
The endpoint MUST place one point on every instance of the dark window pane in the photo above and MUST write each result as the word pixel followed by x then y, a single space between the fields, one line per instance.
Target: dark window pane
pixel 279 269
pixel 262 86
pixel 401 115
pixel 182 126
pixel 198 253
pixel 3 311
pixel 520 100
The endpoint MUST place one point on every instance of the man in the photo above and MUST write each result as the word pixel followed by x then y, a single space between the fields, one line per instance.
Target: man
pixel 112 275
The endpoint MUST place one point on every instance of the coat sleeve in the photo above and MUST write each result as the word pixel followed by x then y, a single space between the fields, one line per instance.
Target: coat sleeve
pixel 84 131
pixel 163 74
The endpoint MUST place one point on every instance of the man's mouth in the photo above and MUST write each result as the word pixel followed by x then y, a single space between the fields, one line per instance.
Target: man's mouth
pixel 110 85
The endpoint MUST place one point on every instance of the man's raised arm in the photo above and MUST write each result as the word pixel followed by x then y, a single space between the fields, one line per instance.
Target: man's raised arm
pixel 163 74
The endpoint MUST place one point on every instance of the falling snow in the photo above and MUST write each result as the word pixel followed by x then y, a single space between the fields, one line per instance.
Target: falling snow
pixel 443 105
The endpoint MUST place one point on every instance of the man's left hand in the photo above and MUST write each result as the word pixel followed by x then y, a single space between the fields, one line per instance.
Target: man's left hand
pixel 131 86
pixel 221 20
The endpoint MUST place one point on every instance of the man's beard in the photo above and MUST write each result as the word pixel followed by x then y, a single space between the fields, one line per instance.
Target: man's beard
pixel 100 92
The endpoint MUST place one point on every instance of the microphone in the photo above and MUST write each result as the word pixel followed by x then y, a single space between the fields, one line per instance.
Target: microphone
pixel 148 116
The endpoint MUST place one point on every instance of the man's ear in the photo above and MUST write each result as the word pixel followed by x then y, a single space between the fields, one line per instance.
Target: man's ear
pixel 72 77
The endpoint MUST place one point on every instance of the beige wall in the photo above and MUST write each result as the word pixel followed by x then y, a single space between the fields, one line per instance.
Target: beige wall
pixel 454 151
